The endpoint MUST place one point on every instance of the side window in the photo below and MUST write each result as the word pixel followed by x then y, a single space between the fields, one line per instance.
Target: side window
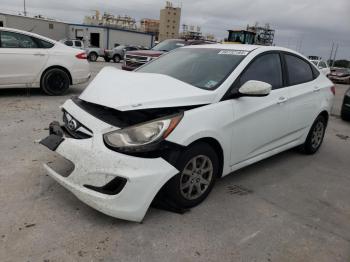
pixel 15 40
pixel 68 43
pixel 77 43
pixel 299 71
pixel 43 43
pixel 266 68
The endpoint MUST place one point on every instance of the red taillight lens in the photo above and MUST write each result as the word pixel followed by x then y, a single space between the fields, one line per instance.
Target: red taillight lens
pixel 81 56
pixel 333 89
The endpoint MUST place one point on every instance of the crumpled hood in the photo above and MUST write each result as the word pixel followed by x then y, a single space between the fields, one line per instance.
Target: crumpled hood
pixel 123 91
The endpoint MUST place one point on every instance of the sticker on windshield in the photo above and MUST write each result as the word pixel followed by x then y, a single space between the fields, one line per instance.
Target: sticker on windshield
pixel 233 52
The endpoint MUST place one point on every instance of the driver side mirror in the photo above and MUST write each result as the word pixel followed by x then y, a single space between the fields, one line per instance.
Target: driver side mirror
pixel 255 88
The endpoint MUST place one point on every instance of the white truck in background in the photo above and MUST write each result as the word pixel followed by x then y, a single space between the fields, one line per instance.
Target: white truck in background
pixel 93 53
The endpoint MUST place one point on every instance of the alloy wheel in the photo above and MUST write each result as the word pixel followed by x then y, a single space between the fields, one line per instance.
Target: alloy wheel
pixel 196 177
pixel 317 135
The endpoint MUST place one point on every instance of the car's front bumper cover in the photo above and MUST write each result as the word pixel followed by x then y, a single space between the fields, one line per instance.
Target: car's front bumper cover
pixel 95 165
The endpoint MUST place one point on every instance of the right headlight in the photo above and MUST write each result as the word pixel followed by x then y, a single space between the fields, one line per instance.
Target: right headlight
pixel 143 137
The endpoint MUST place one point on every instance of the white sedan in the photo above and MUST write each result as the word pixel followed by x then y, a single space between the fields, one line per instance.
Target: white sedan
pixel 31 60
pixel 184 120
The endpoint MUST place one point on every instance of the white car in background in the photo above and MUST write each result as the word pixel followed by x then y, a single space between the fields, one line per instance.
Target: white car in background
pixel 31 60
pixel 180 122
pixel 322 66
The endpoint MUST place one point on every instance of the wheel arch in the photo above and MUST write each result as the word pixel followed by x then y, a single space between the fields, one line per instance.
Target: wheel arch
pixel 325 114
pixel 212 142
pixel 57 67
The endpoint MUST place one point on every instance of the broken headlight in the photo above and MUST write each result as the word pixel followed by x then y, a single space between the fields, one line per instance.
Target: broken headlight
pixel 142 137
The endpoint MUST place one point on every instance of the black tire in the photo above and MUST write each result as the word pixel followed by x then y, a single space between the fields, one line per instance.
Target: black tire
pixel 344 114
pixel 93 57
pixel 315 136
pixel 173 189
pixel 55 82
pixel 116 58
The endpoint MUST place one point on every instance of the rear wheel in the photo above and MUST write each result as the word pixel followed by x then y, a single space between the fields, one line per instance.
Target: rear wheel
pixel 199 167
pixel 116 59
pixel 93 57
pixel 55 82
pixel 315 137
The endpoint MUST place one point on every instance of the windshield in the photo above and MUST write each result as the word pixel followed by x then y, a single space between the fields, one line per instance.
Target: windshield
pixel 120 47
pixel 168 45
pixel 205 68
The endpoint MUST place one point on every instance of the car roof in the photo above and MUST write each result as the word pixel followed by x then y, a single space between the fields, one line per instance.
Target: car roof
pixel 27 33
pixel 243 47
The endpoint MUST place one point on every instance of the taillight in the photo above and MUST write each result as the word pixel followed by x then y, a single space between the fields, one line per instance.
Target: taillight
pixel 333 89
pixel 81 56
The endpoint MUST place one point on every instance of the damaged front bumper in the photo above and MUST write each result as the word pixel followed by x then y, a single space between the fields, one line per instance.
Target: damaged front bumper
pixel 116 184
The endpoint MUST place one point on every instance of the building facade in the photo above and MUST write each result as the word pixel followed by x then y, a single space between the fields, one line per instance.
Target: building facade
pixel 46 27
pixel 150 26
pixel 95 35
pixel 169 22
pixel 108 37
pixel 109 20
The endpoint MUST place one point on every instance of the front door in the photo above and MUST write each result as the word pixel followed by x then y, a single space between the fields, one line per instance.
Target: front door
pixel 260 123
pixel 21 58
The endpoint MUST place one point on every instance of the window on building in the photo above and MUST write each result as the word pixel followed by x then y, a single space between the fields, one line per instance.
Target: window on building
pixel 174 13
pixel 1 23
pixel 173 27
pixel 50 26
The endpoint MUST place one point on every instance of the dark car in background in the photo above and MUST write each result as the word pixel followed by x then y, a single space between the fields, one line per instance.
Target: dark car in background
pixel 345 109
pixel 135 59
pixel 340 75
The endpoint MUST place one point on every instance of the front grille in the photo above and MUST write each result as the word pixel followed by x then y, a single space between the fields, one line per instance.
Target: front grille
pixel 75 132
pixel 139 59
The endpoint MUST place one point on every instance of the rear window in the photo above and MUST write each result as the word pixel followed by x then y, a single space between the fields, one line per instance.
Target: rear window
pixel 299 71
pixel 68 43
pixel 78 43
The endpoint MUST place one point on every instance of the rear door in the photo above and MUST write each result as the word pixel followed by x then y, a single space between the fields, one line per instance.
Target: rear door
pixel 304 94
pixel 260 123
pixel 21 58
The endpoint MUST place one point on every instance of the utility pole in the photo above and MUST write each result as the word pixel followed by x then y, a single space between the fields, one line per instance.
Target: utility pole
pixel 24 8
pixel 330 56
pixel 335 54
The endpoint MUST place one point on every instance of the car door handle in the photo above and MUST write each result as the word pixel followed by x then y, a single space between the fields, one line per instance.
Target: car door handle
pixel 39 54
pixel 281 100
pixel 316 89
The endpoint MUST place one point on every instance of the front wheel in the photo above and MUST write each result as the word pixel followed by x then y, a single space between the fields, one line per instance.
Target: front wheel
pixel 199 166
pixel 315 137
pixel 55 82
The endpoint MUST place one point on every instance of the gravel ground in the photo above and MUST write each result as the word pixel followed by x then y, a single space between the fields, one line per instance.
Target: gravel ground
pixel 289 207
